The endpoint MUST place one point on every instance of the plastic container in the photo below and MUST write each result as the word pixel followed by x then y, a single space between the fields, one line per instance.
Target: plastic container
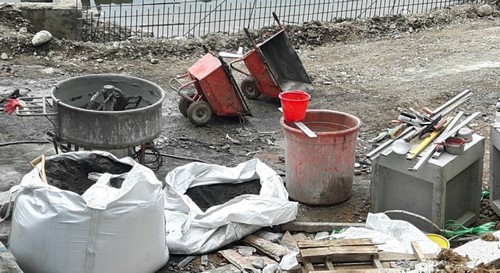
pixel 454 145
pixel 440 240
pixel 294 104
pixel 320 171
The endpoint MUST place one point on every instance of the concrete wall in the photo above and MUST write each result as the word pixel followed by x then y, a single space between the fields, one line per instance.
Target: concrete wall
pixel 60 19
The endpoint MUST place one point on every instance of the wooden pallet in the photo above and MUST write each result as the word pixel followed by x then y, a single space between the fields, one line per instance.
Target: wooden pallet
pixel 340 256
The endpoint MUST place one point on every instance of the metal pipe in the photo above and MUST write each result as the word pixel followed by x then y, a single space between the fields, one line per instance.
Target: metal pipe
pixel 444 109
pixel 376 152
pixel 427 155
pixel 451 101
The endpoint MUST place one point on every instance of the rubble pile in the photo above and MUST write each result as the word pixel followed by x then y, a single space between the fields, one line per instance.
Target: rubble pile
pixel 138 45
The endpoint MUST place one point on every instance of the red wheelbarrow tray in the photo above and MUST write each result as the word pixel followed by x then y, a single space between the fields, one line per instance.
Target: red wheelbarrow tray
pixel 217 87
pixel 275 66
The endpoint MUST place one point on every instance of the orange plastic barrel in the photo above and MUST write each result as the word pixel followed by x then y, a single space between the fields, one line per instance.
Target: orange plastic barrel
pixel 320 171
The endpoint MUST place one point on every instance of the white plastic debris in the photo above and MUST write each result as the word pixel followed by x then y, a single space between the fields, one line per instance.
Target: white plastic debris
pixel 392 235
pixel 192 231
pixel 41 37
pixel 106 229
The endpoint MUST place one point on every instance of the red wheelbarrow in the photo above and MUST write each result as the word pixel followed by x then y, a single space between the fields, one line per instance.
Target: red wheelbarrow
pixel 216 91
pixel 273 66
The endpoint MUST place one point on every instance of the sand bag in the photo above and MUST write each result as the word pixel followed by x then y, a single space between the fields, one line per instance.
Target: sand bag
pixel 192 230
pixel 74 224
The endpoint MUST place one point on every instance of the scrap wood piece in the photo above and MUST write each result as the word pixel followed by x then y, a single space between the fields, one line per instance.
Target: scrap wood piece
pixel 336 250
pixel 378 270
pixel 338 242
pixel 269 248
pixel 383 257
pixel 7 261
pixel 313 227
pixel 289 241
pixel 228 268
pixel 244 263
pixel 338 254
pixel 418 252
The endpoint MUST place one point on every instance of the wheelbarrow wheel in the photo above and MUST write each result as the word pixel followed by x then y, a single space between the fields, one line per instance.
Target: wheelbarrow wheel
pixel 199 113
pixel 184 105
pixel 249 89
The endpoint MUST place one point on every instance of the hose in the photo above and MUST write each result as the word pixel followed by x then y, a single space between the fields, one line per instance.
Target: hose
pixel 3 144
pixel 452 229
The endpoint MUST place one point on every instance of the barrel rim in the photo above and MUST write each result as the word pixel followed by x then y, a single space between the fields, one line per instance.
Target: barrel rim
pixel 342 132
pixel 59 102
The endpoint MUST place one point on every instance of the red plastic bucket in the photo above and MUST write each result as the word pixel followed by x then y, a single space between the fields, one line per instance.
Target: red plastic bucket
pixel 294 104
pixel 320 171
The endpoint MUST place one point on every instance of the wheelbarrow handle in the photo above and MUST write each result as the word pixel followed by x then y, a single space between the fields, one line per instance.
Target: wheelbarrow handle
pixel 182 86
pixel 277 20
pixel 231 64
pixel 176 79
pixel 250 37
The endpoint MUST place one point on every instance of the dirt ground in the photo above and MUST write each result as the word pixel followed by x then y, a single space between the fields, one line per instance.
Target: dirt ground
pixel 366 71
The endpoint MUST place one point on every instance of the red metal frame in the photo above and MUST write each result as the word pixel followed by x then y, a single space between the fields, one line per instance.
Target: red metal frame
pixel 264 81
pixel 213 85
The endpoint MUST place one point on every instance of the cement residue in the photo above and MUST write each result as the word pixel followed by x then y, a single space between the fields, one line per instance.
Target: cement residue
pixel 72 175
pixel 213 195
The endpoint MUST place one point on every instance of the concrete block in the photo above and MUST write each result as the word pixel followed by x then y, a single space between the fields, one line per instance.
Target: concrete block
pixel 60 20
pixel 494 183
pixel 448 188
pixel 480 251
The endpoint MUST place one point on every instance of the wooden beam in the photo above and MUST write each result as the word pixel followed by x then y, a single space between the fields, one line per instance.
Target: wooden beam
pixel 339 242
pixel 313 227
pixel 338 250
pixel 418 252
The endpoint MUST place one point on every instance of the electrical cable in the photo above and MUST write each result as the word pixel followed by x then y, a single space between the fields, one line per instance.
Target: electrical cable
pixel 185 158
pixel 3 144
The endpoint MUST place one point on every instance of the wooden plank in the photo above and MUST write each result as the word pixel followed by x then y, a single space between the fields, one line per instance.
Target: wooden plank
pixel 329 265
pixel 308 266
pixel 384 270
pixel 340 242
pixel 328 251
pixel 313 227
pixel 418 252
pixel 383 257
pixel 392 256
pixel 341 258
pixel 269 248
pixel 244 263
pixel 229 268
pixel 376 262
